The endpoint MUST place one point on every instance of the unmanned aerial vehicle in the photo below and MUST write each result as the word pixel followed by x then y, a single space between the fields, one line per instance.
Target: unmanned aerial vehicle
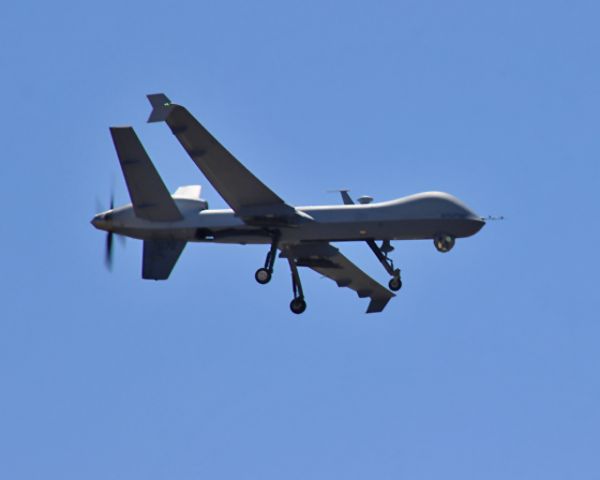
pixel 303 236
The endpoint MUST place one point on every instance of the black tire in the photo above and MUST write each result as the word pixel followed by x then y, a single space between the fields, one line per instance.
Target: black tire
pixel 297 305
pixel 395 284
pixel 262 276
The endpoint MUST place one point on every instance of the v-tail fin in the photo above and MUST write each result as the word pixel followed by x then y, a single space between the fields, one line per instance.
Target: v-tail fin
pixel 159 258
pixel 150 198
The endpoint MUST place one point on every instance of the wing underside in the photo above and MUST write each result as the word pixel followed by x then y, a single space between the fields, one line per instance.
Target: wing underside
pixel 329 262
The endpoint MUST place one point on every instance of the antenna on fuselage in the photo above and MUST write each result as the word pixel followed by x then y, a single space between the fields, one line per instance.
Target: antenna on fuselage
pixel 345 196
pixel 363 200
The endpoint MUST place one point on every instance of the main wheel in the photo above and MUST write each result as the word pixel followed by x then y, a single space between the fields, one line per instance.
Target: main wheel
pixel 395 284
pixel 262 276
pixel 298 305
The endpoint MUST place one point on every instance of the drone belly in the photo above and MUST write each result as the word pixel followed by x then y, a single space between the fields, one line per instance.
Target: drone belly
pixel 428 228
pixel 223 226
pixel 388 221
pixel 419 227
pixel 341 224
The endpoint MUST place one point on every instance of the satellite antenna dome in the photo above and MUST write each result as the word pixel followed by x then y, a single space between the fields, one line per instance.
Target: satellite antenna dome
pixel 365 199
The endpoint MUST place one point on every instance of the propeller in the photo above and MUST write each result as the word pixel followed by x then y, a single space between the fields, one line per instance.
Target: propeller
pixel 108 247
pixel 108 251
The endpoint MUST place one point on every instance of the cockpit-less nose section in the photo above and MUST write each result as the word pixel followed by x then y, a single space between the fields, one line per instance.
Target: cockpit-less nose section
pixel 301 235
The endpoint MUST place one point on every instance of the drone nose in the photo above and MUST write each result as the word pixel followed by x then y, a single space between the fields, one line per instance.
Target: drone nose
pixel 478 224
pixel 98 221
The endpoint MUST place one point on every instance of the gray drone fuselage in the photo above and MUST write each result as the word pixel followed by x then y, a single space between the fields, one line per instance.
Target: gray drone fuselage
pixel 420 216
pixel 302 235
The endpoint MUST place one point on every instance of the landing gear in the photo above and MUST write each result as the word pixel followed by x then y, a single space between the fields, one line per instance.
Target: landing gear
pixel 381 253
pixel 297 305
pixel 263 275
pixel 395 283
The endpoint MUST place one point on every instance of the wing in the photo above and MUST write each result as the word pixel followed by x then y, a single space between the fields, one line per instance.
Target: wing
pixel 159 258
pixel 150 198
pixel 251 199
pixel 328 261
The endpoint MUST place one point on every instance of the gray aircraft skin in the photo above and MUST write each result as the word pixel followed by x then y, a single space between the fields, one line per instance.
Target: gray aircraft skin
pixel 302 235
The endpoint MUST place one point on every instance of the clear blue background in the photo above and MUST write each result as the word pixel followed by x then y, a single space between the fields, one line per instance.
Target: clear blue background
pixel 484 366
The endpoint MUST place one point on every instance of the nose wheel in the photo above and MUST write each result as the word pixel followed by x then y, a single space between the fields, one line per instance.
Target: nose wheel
pixel 395 283
pixel 381 253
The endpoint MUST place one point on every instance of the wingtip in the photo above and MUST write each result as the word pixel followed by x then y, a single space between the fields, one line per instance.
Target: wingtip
pixel 161 107
pixel 158 98
pixel 377 305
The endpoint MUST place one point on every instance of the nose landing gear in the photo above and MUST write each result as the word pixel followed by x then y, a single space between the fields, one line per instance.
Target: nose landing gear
pixel 395 283
pixel 381 253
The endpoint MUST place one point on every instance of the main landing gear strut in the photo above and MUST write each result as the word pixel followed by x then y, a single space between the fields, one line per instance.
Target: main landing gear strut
pixel 263 275
pixel 381 253
pixel 297 305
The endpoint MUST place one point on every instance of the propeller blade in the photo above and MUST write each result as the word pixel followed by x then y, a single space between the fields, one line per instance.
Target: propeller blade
pixel 108 254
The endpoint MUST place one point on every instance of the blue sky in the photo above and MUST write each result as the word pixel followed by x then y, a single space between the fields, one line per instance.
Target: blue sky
pixel 484 366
